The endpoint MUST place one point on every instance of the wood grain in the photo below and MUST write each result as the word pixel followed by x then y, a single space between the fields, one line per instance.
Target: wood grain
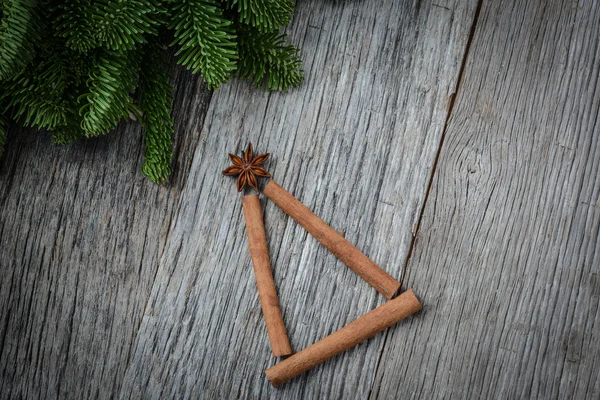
pixel 81 231
pixel 356 144
pixel 508 256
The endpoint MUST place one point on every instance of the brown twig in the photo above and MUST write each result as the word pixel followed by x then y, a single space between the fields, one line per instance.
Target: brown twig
pixel 349 336
pixel 333 241
pixel 280 344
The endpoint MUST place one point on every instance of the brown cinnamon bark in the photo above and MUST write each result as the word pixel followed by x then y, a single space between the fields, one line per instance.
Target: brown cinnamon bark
pixel 280 344
pixel 333 241
pixel 349 336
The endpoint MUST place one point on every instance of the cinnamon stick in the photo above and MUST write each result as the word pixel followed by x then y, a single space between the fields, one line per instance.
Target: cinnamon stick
pixel 333 241
pixel 280 344
pixel 349 336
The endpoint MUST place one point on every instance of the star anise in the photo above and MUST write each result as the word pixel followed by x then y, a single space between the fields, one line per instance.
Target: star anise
pixel 247 168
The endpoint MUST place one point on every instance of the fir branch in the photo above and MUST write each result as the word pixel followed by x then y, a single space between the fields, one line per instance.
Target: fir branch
pixel 112 24
pixel 20 29
pixel 44 94
pixel 71 129
pixel 30 103
pixel 265 55
pixel 156 98
pixel 264 15
pixel 111 82
pixel 75 76
pixel 67 72
pixel 74 22
pixel 122 24
pixel 205 38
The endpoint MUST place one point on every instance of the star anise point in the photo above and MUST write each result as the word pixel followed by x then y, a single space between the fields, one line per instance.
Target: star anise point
pixel 247 168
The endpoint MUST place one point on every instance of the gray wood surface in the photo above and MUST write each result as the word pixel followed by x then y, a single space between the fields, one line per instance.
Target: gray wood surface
pixel 81 231
pixel 507 260
pixel 356 143
pixel 111 286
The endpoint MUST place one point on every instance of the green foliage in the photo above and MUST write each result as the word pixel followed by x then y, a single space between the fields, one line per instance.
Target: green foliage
pixel 20 29
pixel 112 81
pixel 76 68
pixel 156 97
pixel 264 15
pixel 74 22
pixel 37 95
pixel 265 54
pixel 112 24
pixel 122 24
pixel 206 40
pixel 32 104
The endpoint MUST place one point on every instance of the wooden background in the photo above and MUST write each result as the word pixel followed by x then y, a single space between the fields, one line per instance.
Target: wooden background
pixel 456 140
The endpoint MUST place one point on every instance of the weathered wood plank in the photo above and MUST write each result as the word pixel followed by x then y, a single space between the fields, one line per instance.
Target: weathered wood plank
pixel 355 143
pixel 81 231
pixel 508 256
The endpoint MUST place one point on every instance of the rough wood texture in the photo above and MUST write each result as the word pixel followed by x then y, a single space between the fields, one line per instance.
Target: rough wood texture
pixel 355 144
pixel 362 265
pixel 81 231
pixel 507 260
pixel 259 251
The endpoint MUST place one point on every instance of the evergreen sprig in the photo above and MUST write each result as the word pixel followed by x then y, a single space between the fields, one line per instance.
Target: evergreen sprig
pixel 205 39
pixel 78 67
pixel 124 24
pixel 111 85
pixel 266 55
pixel 156 97
pixel 74 21
pixel 264 15
pixel 20 29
